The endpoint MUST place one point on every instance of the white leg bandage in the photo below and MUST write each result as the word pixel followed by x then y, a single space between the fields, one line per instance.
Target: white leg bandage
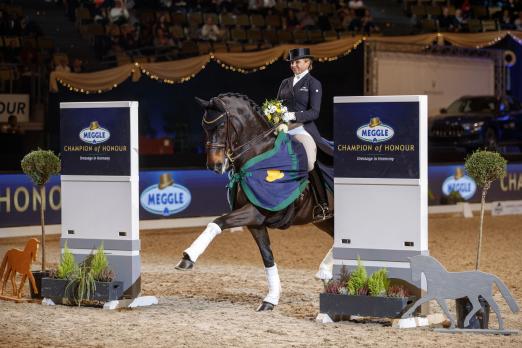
pixel 201 243
pixel 326 266
pixel 274 285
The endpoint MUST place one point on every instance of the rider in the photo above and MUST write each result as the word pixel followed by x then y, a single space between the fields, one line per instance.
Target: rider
pixel 301 94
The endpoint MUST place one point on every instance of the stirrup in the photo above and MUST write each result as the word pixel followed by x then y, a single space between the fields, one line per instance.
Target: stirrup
pixel 321 212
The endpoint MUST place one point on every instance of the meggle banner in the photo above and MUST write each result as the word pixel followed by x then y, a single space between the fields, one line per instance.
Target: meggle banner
pixel 381 140
pixel 171 194
pixel 91 146
pixel 182 193
pixel 20 201
pixel 14 104
pixel 443 180
pixel 163 195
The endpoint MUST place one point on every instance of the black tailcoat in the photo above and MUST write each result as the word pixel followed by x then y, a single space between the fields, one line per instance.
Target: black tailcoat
pixel 305 100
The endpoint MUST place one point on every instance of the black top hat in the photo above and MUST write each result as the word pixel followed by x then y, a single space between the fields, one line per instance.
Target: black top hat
pixel 299 53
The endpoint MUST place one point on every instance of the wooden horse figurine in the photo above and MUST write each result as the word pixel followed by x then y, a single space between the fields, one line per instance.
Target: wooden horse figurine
pixel 18 261
pixel 444 285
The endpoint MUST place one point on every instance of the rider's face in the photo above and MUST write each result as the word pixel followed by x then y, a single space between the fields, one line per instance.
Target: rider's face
pixel 298 66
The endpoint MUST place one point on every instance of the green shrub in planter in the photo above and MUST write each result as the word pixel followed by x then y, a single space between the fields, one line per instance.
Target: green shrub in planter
pixel 378 283
pixel 484 167
pixel 99 262
pixel 67 267
pixel 357 284
pixel 39 165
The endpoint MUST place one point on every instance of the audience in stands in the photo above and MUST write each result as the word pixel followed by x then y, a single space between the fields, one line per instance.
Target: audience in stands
pixel 61 65
pixel 210 30
pixel 355 4
pixel 119 13
pixel 12 126
pixel 448 22
pixel 77 65
pixel 518 21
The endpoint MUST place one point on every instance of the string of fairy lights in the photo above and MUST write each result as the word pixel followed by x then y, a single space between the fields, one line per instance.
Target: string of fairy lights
pixel 137 67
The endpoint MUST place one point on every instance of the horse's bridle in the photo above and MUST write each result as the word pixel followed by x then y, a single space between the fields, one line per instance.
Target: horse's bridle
pixel 231 152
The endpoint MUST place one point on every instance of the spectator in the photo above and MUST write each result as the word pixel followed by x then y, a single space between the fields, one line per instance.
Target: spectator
pixel 12 126
pixel 62 65
pixel 77 65
pixel 290 21
pixel 166 4
pixel 447 21
pixel 518 21
pixel 162 40
pixel 118 14
pixel 356 4
pixel 210 31
pixel 459 20
pixel 506 20
pixel 368 26
pixel 466 9
pixel 101 15
pixel 306 21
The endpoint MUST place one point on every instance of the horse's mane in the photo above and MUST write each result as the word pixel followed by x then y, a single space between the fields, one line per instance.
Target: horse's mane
pixel 250 102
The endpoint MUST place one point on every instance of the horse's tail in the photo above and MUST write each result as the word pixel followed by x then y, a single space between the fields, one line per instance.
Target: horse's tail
pixel 506 294
pixel 4 263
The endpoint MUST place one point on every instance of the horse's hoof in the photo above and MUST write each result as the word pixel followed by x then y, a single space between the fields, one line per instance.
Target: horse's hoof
pixel 185 263
pixel 265 306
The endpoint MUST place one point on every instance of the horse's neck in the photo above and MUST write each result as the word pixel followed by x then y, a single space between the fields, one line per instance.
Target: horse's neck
pixel 433 270
pixel 261 146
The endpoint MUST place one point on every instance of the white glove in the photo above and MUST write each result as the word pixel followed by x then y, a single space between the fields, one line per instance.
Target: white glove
pixel 289 116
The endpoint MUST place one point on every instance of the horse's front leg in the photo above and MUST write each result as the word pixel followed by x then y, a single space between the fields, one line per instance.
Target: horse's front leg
pixel 244 216
pixel 262 239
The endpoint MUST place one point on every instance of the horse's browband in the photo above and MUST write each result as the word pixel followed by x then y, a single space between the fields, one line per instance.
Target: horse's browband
pixel 216 119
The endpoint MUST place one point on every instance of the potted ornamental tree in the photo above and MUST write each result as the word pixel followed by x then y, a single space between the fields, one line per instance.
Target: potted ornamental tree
pixel 89 282
pixel 484 167
pixel 358 294
pixel 40 165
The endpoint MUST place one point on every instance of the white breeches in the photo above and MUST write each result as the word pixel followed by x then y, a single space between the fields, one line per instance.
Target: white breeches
pixel 301 135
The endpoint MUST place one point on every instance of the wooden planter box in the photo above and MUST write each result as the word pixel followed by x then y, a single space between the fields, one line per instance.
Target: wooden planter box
pixel 105 291
pixel 342 306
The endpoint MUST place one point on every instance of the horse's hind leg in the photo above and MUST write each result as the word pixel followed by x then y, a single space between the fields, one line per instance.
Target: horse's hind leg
pixel 442 303
pixel 244 216
pixel 420 301
pixel 262 239
pixel 325 271
pixel 22 283
pixel 474 309
pixel 6 277
pixel 496 309
pixel 33 282
pixel 13 282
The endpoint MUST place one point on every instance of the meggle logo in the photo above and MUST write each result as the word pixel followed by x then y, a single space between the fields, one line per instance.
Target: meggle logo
pixel 94 134
pixel 166 198
pixel 460 183
pixel 375 131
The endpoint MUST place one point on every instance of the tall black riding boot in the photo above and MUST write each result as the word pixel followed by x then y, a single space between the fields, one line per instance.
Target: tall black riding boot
pixel 321 210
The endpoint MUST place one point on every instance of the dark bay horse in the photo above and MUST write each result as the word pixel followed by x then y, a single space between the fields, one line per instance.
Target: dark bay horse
pixel 236 131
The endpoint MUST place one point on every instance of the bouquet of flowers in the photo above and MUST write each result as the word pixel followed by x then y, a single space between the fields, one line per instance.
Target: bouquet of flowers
pixel 274 111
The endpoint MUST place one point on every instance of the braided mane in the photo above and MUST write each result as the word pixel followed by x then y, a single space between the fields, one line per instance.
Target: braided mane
pixel 250 102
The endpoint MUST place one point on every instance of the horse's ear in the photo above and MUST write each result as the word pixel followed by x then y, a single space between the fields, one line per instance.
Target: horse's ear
pixel 203 103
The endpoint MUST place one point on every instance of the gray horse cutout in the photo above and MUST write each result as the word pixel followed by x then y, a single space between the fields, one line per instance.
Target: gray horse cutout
pixel 444 285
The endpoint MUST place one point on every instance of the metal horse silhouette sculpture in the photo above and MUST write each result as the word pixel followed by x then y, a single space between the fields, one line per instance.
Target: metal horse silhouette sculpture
pixel 453 285
pixel 19 261
pixel 237 131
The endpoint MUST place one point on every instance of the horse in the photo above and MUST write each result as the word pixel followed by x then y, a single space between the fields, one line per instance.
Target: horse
pixel 453 285
pixel 236 131
pixel 18 261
